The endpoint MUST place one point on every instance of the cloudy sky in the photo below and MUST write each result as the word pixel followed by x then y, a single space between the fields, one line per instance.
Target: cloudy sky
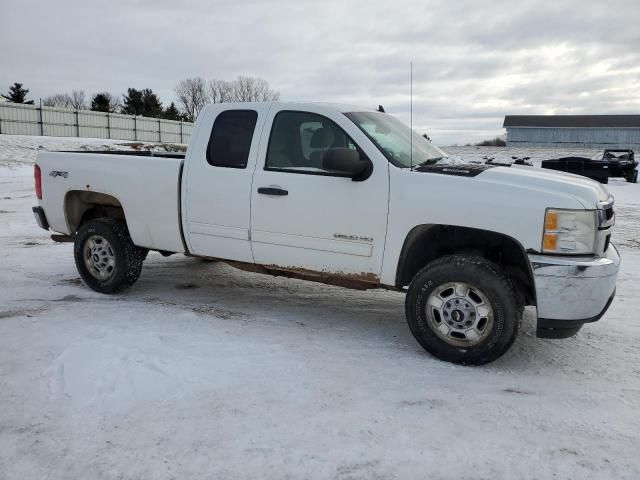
pixel 474 61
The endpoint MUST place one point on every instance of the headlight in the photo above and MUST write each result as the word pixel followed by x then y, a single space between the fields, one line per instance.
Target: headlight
pixel 571 232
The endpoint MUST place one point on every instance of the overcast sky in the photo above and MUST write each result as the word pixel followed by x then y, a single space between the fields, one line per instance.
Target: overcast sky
pixel 474 61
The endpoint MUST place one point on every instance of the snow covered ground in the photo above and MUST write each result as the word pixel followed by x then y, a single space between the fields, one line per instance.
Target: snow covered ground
pixel 203 371
pixel 504 155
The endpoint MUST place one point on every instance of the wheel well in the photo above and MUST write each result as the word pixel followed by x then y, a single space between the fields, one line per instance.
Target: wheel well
pixel 425 243
pixel 82 206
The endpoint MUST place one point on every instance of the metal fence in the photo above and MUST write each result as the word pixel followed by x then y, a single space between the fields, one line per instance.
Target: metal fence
pixel 19 119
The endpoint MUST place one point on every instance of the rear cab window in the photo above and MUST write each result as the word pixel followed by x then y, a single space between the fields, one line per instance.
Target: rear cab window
pixel 230 140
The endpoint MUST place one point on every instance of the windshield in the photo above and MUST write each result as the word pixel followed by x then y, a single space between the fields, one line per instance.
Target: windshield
pixel 393 138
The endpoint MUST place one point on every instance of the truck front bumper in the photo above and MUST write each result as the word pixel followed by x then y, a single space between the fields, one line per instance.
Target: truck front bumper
pixel 572 291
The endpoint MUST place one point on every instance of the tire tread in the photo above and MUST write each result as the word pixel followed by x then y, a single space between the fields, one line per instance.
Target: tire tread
pixel 134 256
pixel 473 355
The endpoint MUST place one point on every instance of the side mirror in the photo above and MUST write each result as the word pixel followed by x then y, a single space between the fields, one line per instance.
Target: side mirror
pixel 347 161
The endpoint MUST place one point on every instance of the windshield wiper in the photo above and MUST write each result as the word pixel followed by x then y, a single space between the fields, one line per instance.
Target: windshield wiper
pixel 429 161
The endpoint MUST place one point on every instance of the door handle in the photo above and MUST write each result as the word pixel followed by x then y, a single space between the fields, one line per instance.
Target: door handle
pixel 272 191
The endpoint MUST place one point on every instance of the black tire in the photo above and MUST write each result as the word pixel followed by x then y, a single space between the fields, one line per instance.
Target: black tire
pixel 633 177
pixel 483 276
pixel 127 258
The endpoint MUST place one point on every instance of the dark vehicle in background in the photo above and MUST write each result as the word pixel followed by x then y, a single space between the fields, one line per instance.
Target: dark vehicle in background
pixel 622 163
pixel 614 163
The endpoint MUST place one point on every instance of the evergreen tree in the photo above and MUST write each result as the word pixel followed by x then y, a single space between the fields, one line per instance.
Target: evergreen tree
pixel 152 106
pixel 132 102
pixel 102 102
pixel 17 94
pixel 142 102
pixel 172 112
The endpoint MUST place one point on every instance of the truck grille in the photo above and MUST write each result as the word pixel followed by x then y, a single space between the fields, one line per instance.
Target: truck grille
pixel 609 213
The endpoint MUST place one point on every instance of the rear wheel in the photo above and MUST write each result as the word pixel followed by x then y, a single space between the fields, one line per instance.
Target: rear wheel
pixel 463 309
pixel 105 256
pixel 633 177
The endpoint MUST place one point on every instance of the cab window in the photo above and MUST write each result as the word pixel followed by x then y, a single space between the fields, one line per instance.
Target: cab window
pixel 230 139
pixel 299 141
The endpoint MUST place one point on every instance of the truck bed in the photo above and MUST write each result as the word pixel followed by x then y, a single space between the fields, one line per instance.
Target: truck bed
pixel 132 153
pixel 145 184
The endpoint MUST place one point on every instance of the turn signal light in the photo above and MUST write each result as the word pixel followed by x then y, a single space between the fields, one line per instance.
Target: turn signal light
pixel 551 220
pixel 550 241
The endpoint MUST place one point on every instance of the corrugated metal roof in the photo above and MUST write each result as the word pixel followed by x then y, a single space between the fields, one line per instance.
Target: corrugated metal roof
pixel 573 121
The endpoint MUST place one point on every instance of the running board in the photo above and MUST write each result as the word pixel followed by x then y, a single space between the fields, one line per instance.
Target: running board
pixel 62 238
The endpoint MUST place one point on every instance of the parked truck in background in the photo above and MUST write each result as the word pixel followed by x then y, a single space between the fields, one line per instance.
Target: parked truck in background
pixel 351 197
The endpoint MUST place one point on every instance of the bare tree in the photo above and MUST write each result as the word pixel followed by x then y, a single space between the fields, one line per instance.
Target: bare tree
pixel 78 100
pixel 194 93
pixel 192 96
pixel 254 89
pixel 116 103
pixel 59 100
pixel 221 91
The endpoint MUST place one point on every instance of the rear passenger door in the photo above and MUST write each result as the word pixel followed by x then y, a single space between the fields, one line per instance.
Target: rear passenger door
pixel 219 170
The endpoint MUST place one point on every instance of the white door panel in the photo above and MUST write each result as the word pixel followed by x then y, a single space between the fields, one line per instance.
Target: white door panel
pixel 218 223
pixel 324 223
pixel 218 198
pixel 314 243
pixel 218 231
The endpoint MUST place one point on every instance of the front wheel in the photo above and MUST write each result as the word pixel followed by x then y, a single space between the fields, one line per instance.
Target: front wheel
pixel 105 256
pixel 463 309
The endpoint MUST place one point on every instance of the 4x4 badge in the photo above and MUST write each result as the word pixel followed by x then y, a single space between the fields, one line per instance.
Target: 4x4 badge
pixel 58 173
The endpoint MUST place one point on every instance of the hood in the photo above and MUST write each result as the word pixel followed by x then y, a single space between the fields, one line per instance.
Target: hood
pixel 586 191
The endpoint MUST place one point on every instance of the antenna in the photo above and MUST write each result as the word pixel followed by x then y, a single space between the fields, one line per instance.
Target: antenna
pixel 411 112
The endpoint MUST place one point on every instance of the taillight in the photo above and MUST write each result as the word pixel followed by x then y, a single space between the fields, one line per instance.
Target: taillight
pixel 37 177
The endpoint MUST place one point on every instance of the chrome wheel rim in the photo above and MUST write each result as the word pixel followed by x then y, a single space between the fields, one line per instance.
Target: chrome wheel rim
pixel 460 314
pixel 99 257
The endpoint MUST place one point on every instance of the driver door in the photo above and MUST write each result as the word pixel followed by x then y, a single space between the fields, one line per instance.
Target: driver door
pixel 306 217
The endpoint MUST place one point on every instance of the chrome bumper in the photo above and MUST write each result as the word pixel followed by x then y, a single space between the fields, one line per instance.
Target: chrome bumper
pixel 572 291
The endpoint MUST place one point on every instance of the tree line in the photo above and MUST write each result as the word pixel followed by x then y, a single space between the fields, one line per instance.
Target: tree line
pixel 494 142
pixel 192 95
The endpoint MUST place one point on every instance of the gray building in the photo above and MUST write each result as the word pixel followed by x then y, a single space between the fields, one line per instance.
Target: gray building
pixel 593 131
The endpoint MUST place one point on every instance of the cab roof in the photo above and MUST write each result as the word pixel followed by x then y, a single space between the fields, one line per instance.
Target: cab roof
pixel 341 107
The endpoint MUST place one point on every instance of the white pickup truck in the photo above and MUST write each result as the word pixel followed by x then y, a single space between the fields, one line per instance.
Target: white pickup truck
pixel 352 197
